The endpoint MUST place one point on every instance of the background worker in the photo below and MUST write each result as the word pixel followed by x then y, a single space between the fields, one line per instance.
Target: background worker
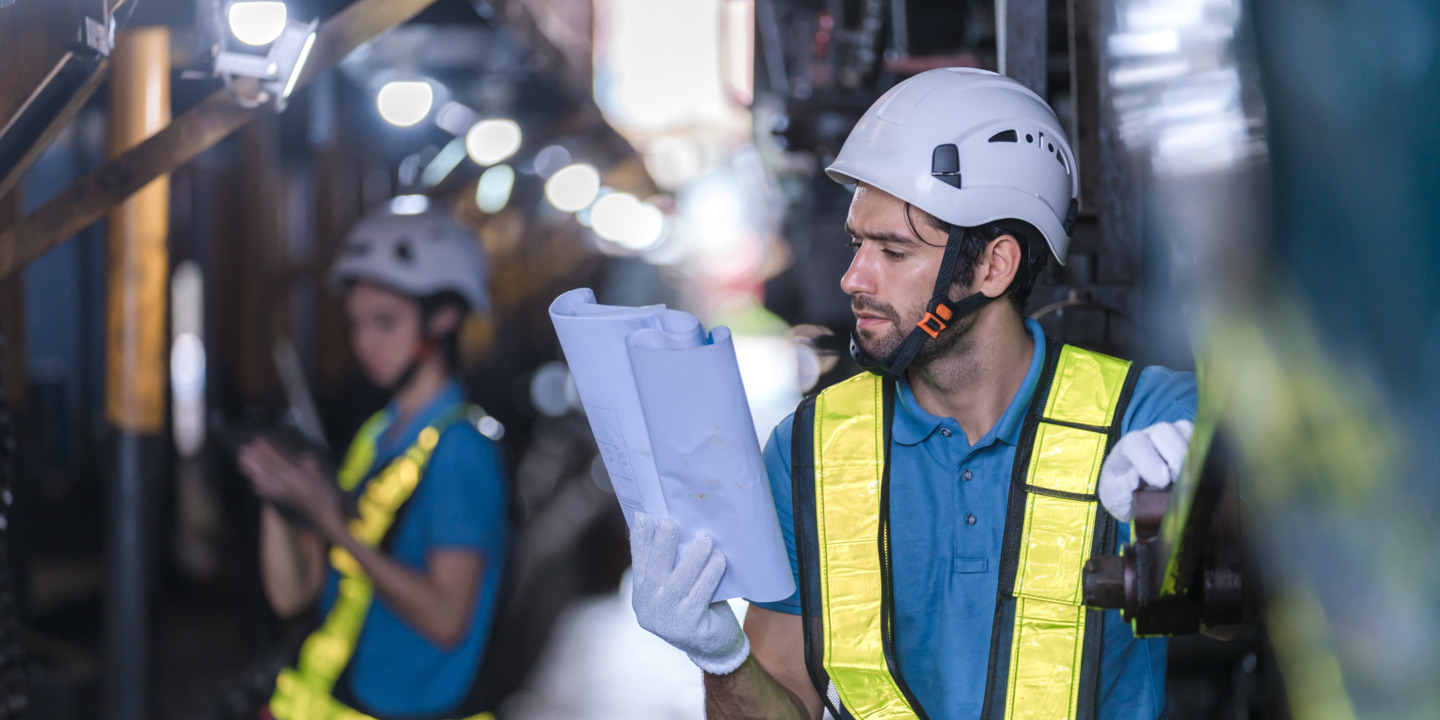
pixel 408 588
pixel 982 439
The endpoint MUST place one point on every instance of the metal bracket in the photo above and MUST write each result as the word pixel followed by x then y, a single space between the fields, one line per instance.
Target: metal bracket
pixel 99 37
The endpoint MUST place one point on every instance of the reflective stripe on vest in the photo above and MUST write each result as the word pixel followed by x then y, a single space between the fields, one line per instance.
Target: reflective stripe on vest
pixel 1044 651
pixel 305 692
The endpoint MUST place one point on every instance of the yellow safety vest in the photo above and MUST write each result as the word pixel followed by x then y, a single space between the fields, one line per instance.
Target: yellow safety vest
pixel 1044 657
pixel 305 691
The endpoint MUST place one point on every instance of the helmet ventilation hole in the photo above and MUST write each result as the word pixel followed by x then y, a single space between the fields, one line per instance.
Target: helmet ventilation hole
pixel 1005 136
pixel 403 251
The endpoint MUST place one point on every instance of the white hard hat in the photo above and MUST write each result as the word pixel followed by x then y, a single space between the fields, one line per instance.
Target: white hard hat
pixel 417 252
pixel 969 147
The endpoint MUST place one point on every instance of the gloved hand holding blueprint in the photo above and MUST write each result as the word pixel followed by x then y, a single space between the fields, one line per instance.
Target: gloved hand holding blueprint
pixel 665 402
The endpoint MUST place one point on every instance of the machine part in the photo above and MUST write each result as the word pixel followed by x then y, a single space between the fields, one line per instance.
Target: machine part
pixel 1181 573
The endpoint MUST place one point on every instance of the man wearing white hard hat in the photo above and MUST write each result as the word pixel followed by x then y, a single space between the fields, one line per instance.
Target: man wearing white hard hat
pixel 409 585
pixel 938 508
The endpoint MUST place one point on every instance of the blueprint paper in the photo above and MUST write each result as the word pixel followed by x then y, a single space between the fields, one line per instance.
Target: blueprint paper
pixel 666 404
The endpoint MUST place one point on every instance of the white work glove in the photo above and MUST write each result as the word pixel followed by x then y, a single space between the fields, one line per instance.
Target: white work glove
pixel 672 599
pixel 1152 456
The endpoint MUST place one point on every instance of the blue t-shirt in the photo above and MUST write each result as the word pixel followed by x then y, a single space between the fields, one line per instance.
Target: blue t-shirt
pixel 460 503
pixel 946 569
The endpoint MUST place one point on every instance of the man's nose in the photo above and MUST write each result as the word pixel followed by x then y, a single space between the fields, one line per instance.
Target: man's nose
pixel 859 278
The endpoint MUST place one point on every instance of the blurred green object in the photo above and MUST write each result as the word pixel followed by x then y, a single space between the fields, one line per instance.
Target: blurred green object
pixel 1292 189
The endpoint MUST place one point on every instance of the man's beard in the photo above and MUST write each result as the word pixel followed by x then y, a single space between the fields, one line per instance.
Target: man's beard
pixel 881 346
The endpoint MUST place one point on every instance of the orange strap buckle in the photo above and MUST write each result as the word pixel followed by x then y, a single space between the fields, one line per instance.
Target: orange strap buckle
pixel 934 322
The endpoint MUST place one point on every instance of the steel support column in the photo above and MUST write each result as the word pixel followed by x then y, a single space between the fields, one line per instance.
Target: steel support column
pixel 135 370
pixel 1021 37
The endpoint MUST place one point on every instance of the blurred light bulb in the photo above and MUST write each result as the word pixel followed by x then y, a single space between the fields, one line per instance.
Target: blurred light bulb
pixel 490 141
pixel 573 188
pixel 409 204
pixel 494 189
pixel 257 23
pixel 624 220
pixel 405 102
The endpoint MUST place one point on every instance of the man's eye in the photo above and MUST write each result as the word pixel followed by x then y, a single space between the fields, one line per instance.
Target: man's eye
pixel 854 245
pixel 893 255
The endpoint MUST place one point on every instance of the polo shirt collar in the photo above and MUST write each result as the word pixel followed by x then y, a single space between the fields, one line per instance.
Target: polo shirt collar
pixel 391 443
pixel 913 424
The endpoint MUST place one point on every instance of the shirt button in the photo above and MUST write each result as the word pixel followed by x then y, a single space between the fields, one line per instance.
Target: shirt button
pixel 945 432
pixel 967 475
pixel 970 519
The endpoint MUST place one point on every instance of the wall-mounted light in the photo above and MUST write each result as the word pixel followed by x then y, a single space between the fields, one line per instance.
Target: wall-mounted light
pixel 279 68
pixel 257 23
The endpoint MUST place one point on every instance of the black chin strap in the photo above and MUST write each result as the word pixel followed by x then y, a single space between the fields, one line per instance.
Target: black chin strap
pixel 939 315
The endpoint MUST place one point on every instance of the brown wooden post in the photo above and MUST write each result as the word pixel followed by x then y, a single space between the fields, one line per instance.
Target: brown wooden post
pixel 135 368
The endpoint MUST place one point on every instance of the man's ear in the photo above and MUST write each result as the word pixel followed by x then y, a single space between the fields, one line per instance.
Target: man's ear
pixel 445 320
pixel 999 263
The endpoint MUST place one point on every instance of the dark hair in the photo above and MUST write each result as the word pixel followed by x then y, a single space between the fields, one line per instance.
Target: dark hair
pixel 449 343
pixel 974 240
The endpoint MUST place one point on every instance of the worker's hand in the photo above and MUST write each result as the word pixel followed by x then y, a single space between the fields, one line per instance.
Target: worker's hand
pixel 1152 456
pixel 672 599
pixel 302 485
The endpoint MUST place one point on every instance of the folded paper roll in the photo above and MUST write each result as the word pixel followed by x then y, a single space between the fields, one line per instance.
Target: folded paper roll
pixel 668 410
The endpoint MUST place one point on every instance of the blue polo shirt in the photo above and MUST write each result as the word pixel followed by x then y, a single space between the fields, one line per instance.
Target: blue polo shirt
pixel 946 569
pixel 460 503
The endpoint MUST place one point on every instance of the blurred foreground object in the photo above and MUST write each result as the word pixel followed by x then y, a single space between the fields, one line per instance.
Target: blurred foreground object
pixel 1289 183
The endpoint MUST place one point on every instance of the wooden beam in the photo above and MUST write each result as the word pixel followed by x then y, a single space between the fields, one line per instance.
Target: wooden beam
pixel 204 125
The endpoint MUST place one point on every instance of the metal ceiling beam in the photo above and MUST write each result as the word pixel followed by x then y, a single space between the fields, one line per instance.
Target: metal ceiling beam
pixel 204 125
pixel 54 55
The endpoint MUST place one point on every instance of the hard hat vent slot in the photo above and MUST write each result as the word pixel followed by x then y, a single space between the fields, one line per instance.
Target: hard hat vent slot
pixel 403 251
pixel 1006 136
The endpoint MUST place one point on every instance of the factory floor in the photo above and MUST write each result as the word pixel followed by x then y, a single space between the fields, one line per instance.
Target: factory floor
pixel 601 664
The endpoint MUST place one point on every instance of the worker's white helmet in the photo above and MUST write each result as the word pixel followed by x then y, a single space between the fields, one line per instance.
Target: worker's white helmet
pixel 414 250
pixel 969 147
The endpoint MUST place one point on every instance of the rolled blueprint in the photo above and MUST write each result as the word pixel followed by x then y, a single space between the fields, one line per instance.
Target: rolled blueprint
pixel 668 410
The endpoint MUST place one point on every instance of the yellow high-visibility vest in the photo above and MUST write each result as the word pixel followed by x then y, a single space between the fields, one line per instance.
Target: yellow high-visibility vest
pixel 306 690
pixel 1044 658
